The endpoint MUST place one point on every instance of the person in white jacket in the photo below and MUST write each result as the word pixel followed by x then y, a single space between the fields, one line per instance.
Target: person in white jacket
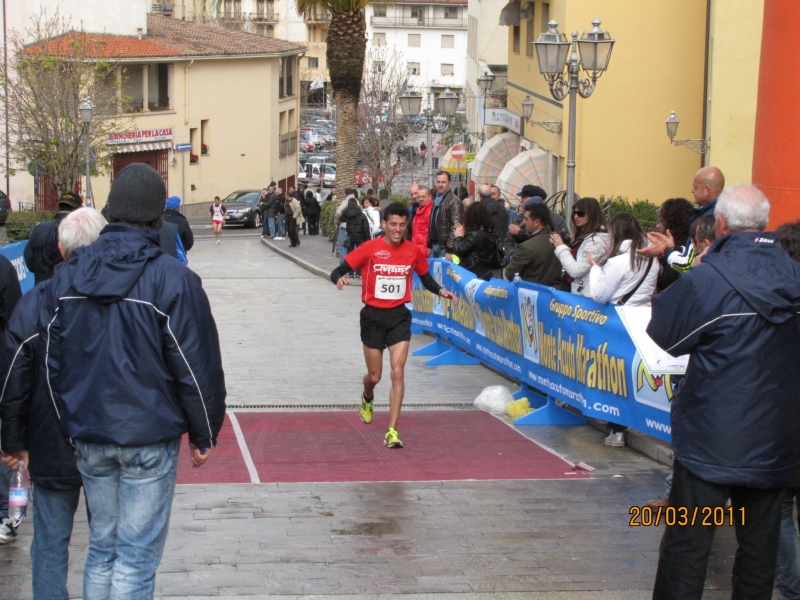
pixel 373 214
pixel 591 237
pixel 626 277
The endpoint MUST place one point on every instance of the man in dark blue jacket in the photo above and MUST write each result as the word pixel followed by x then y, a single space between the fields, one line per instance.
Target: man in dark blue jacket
pixel 30 427
pixel 736 416
pixel 133 362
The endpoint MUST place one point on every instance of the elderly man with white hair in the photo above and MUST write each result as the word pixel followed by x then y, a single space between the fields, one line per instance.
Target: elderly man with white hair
pixel 30 425
pixel 736 415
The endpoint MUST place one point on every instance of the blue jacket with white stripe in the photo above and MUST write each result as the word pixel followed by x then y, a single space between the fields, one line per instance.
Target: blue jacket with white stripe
pixel 736 415
pixel 131 349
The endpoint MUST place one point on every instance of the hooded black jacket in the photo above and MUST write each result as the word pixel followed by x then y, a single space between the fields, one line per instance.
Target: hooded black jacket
pixel 28 419
pixel 476 251
pixel 132 349
pixel 736 416
pixel 184 229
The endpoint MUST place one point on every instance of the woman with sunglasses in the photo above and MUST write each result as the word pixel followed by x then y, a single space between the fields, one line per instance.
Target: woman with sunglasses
pixel 591 237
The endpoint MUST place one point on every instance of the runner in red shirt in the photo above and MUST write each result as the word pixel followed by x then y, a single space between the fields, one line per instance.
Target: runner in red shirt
pixel 387 268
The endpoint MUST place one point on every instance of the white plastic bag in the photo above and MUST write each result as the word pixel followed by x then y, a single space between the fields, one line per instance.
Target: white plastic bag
pixel 493 399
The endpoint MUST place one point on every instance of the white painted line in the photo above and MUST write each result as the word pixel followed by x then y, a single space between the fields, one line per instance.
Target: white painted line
pixel 248 460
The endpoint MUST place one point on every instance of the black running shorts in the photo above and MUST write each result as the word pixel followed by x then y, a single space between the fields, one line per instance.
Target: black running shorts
pixel 384 327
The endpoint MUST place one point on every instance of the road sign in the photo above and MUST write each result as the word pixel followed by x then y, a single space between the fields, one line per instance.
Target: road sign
pixel 470 156
pixel 458 152
pixel 182 147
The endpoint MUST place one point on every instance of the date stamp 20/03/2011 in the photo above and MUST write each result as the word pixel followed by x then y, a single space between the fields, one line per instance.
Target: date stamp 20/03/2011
pixel 705 516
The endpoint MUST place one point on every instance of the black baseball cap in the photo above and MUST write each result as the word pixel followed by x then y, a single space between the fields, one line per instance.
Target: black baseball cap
pixel 71 199
pixel 530 191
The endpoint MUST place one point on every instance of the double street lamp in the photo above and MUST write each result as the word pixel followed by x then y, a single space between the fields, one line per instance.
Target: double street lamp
pixel 446 105
pixel 86 109
pixel 561 62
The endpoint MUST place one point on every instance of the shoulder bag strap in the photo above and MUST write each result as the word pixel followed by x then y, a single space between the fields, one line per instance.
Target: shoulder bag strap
pixel 630 294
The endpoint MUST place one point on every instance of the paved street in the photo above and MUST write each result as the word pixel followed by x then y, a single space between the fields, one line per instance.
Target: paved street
pixel 291 342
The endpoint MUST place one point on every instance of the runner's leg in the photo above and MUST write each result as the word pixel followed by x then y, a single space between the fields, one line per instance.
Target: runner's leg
pixel 398 354
pixel 374 360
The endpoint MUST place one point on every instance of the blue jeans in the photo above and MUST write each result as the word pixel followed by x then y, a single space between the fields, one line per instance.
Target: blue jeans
pixel 271 224
pixel 787 570
pixel 340 242
pixel 281 225
pixel 129 491
pixel 437 251
pixel 5 475
pixel 53 514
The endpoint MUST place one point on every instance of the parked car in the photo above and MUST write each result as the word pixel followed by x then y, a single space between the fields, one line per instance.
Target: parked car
pixel 307 146
pixel 243 208
pixel 5 208
pixel 316 174
pixel 306 136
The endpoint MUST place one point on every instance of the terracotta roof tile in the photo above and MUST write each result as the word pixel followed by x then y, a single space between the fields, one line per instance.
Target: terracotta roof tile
pixel 168 37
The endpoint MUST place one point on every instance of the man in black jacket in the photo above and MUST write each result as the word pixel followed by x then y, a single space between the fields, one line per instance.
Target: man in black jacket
pixel 496 208
pixel 30 426
pixel 133 362
pixel 173 215
pixel 41 252
pixel 269 209
pixel 736 416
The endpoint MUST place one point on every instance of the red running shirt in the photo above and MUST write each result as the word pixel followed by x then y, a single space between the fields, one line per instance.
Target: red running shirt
pixel 387 272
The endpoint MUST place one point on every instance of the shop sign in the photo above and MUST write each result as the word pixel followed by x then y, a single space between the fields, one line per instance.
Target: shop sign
pixel 504 118
pixel 140 136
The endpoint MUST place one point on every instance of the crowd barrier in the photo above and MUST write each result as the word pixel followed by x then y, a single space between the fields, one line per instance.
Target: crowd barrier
pixel 561 346
pixel 14 253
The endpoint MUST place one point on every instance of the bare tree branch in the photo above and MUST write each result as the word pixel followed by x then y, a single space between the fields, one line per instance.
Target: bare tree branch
pixel 52 68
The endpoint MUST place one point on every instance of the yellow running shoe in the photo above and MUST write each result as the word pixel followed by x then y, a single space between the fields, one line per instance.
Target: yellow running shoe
pixel 366 410
pixel 391 440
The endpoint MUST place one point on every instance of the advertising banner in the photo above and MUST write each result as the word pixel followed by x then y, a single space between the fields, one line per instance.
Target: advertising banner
pixel 14 253
pixel 562 345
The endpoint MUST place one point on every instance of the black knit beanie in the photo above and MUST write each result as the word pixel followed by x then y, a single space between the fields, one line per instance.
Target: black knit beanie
pixel 138 195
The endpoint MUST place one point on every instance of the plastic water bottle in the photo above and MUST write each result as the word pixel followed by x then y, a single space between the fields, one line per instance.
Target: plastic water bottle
pixel 18 491
pixel 517 278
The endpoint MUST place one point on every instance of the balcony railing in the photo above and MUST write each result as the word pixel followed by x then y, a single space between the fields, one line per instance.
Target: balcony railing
pixel 265 13
pixel 318 17
pixel 288 144
pixel 423 21
pixel 164 9
pixel 136 105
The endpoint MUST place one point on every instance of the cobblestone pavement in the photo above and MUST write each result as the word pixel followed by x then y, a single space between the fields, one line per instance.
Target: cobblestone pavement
pixel 290 339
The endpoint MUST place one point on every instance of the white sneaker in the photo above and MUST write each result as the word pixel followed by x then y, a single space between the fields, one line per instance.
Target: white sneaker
pixel 218 241
pixel 615 439
pixel 8 533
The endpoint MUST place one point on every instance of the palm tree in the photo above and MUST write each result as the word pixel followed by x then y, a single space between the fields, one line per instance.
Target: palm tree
pixel 347 46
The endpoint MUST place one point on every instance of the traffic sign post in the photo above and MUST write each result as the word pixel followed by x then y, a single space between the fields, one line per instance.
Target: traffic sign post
pixel 183 148
pixel 458 152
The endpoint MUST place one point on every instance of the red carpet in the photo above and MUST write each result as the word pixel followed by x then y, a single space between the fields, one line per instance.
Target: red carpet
pixel 440 445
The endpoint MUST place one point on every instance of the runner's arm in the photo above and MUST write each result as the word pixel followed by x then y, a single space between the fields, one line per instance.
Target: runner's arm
pixel 340 271
pixel 430 283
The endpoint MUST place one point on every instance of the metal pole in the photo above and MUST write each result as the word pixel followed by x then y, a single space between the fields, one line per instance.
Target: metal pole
pixel 574 66
pixel 183 179
pixel 429 125
pixel 88 194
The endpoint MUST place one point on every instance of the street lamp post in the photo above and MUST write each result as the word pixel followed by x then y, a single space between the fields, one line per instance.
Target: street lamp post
pixel 556 54
pixel 485 83
pixel 411 104
pixel 527 112
pixel 86 108
pixel 700 146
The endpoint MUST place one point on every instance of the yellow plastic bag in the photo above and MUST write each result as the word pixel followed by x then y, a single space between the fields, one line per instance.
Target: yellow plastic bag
pixel 518 408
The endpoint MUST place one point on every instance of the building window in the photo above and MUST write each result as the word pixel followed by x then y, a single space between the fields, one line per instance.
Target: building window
pixel 529 38
pixel 448 41
pixel 545 16
pixel 323 34
pixel 379 65
pixel 378 39
pixel 270 31
pixel 450 12
pixel 447 70
pixel 414 40
pixel 515 40
pixel 205 137
pixel 313 62
pixel 413 69
pixel 286 81
pixel 379 10
pixel 418 13
pixel 193 155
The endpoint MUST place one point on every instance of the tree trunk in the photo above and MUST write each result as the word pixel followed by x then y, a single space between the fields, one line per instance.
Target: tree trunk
pixel 346 155
pixel 346 49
